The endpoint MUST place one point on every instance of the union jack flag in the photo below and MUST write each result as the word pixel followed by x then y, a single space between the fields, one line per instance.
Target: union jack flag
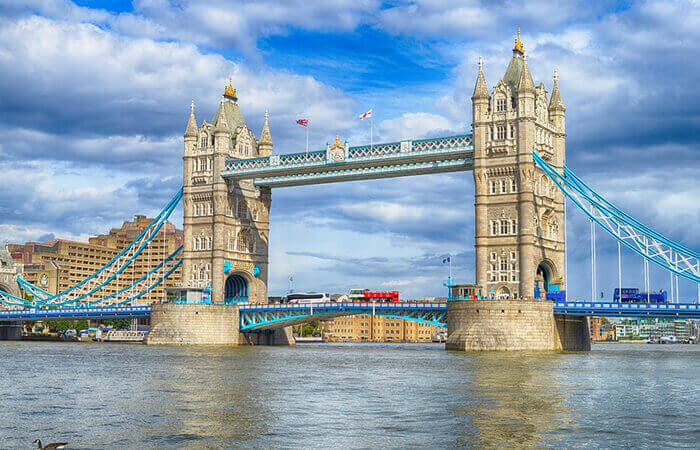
pixel 303 122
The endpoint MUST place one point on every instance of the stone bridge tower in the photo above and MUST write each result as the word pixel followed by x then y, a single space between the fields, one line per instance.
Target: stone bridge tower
pixel 226 225
pixel 519 213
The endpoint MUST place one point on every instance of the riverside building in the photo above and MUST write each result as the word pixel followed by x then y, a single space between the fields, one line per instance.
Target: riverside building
pixel 57 264
pixel 369 328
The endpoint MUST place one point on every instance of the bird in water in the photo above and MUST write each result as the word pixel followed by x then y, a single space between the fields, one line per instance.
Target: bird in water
pixel 51 446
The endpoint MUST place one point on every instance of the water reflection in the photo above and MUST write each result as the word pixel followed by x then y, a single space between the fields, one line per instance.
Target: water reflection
pixel 518 400
pixel 209 396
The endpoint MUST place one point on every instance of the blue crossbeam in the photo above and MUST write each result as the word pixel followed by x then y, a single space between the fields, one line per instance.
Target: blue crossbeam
pixel 74 313
pixel 393 159
pixel 265 317
pixel 611 309
pixel 255 317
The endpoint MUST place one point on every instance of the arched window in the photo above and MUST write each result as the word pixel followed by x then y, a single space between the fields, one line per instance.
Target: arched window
pixel 504 187
pixel 513 186
pixel 492 185
pixel 514 227
pixel 494 228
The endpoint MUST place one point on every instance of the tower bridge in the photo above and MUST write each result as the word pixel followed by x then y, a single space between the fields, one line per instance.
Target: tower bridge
pixel 516 152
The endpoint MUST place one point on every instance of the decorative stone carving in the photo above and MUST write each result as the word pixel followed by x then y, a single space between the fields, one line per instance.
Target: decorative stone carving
pixel 336 152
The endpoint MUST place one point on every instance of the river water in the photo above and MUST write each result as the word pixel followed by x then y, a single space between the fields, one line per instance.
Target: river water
pixel 347 395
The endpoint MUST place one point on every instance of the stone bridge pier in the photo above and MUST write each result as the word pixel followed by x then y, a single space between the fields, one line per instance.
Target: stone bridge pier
pixel 477 325
pixel 205 324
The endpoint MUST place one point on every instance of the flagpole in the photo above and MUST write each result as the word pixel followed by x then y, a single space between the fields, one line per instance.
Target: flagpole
pixel 371 130
pixel 307 139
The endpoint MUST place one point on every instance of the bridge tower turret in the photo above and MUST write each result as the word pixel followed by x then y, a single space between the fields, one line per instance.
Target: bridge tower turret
pixel 226 225
pixel 518 212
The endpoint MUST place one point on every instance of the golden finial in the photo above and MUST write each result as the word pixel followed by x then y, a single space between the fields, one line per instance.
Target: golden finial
pixel 519 44
pixel 337 140
pixel 230 92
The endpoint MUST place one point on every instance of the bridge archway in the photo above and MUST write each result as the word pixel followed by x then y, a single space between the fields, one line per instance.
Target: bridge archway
pixel 544 277
pixel 503 293
pixel 236 289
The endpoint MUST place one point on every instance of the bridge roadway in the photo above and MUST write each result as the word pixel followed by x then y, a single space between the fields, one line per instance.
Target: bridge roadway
pixel 365 162
pixel 255 317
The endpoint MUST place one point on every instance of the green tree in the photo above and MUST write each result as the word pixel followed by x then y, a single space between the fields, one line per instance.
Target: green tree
pixel 81 324
pixel 60 325
pixel 117 323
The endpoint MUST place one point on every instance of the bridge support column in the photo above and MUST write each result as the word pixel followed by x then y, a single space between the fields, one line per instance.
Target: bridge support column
pixel 477 325
pixel 281 336
pixel 193 324
pixel 11 331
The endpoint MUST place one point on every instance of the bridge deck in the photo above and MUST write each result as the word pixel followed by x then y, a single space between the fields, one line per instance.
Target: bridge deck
pixel 386 160
pixel 256 317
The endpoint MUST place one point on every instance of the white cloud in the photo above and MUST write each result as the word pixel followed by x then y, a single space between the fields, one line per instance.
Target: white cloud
pixel 413 125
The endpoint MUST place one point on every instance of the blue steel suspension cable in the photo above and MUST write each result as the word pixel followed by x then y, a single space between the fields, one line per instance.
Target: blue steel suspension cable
pixel 564 185
pixel 151 272
pixel 676 245
pixel 158 222
pixel 154 285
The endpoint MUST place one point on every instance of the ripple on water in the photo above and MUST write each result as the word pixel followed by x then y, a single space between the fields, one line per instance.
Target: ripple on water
pixel 346 395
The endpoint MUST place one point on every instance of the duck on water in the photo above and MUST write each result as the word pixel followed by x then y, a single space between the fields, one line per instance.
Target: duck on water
pixel 51 446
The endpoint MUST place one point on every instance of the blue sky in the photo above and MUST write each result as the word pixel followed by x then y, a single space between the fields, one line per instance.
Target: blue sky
pixel 94 98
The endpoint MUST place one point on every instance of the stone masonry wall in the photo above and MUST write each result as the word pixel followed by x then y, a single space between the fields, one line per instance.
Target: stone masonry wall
pixel 573 333
pixel 476 325
pixel 193 324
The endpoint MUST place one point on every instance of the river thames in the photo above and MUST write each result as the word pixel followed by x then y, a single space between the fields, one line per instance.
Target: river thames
pixel 346 395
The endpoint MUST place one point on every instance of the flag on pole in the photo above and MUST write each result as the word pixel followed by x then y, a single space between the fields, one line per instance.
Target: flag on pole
pixel 366 115
pixel 446 260
pixel 303 122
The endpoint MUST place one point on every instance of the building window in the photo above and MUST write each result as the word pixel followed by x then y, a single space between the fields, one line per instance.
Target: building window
pixel 203 141
pixel 500 133
pixel 504 266
pixel 492 184
pixel 501 104
pixel 513 227
pixel 241 209
pixel 513 186
pixel 513 277
pixel 512 131
pixel 493 267
pixel 503 187
pixel 504 227
pixel 211 208
pixel 494 228
pixel 504 277
pixel 512 255
pixel 493 256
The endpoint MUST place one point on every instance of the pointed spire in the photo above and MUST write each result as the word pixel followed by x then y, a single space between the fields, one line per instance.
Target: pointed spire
pixel 481 90
pixel 229 91
pixel 191 123
pixel 555 102
pixel 221 122
pixel 518 47
pixel 526 84
pixel 265 136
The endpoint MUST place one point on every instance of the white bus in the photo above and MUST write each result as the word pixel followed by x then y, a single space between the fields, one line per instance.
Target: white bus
pixel 307 297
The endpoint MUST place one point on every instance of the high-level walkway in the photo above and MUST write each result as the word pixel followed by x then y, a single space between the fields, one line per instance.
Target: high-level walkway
pixel 393 159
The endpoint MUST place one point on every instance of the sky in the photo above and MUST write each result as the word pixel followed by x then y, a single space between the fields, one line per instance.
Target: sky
pixel 94 100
